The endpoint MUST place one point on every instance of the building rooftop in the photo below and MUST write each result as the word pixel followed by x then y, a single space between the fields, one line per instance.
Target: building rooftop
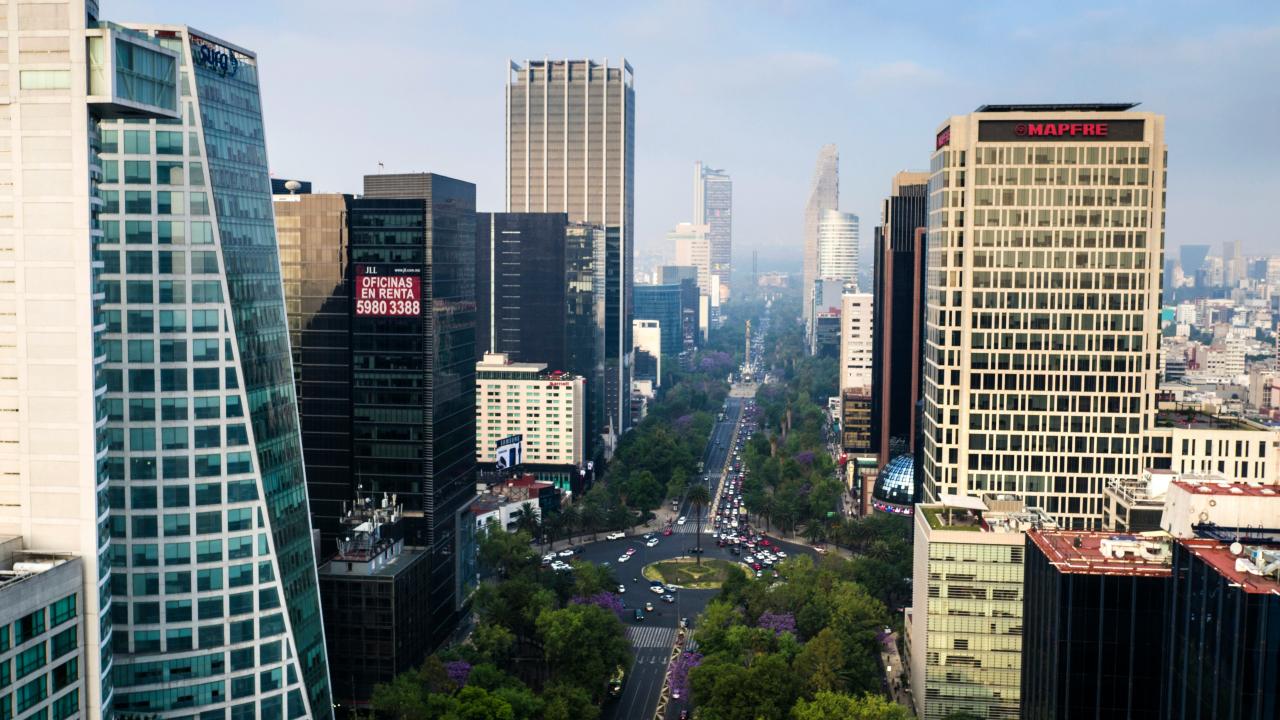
pixel 1101 553
pixel 391 565
pixel 1196 420
pixel 994 513
pixel 1218 486
pixel 17 564
pixel 1220 558
pixel 1060 107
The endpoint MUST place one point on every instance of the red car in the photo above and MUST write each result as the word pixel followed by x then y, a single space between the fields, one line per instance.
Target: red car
pixel 666 531
pixel 755 566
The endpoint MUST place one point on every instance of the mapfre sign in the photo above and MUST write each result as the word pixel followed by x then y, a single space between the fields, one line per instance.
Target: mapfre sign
pixel 1037 130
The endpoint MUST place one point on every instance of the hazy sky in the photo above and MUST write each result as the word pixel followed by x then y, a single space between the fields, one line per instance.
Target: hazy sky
pixel 757 88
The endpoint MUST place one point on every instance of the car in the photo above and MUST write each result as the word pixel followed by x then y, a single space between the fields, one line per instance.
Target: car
pixel 631 551
pixel 657 589
pixel 684 623
pixel 648 607
pixel 734 550
pixel 666 532
pixel 756 567
pixel 652 542
pixel 782 554
pixel 623 558
pixel 758 574
pixel 565 553
pixel 548 558
pixel 638 615
pixel 682 520
pixel 668 598
pixel 617 535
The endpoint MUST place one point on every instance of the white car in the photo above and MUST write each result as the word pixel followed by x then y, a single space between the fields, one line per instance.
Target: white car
pixel 617 535
pixel 565 553
pixel 682 520
pixel 652 543
pixel 657 589
pixel 623 558
pixel 622 588
pixel 561 566
pixel 548 558
pixel 782 553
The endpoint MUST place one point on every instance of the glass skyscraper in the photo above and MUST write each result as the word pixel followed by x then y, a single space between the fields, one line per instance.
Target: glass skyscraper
pixel 213 580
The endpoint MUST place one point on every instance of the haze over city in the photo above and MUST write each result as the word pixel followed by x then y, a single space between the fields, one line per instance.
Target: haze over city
pixel 757 88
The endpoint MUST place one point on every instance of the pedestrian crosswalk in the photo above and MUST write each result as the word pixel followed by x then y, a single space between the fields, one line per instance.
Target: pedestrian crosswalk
pixel 651 637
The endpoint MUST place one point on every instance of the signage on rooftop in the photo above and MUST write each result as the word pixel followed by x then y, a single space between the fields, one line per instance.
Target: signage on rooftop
pixel 212 56
pixel 1075 130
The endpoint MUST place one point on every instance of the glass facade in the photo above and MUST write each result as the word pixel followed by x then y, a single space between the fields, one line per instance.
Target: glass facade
pixel 895 486
pixel 521 287
pixel 662 303
pixel 216 605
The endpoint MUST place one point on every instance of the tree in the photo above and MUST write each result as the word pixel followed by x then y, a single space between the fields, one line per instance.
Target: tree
pixel 567 702
pixel 583 645
pixel 698 497
pixel 528 520
pixel 593 517
pixel 506 554
pixel 830 706
pixel 821 663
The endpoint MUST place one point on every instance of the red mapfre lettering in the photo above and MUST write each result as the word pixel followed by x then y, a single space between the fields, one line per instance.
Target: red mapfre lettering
pixel 1064 129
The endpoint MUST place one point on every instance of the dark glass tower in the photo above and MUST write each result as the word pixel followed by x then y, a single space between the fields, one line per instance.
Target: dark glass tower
pixel 663 303
pixel 898 310
pixel 412 265
pixel 521 287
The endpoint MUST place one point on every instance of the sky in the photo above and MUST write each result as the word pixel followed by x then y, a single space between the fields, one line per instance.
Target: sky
pixel 757 87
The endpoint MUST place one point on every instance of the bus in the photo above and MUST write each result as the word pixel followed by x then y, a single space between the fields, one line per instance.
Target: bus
pixel 615 682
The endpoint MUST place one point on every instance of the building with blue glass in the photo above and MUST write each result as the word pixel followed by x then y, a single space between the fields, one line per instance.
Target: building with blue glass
pixel 663 303
pixel 214 598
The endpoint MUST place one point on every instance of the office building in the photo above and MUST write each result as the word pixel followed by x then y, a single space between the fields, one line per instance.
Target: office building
pixel 201 419
pixel 545 407
pixel 648 337
pixel 898 306
pixel 713 207
pixel 43 647
pixel 686 277
pixel 311 230
pixel 661 304
pixel 856 334
pixel 966 622
pixel 413 388
pixel 838 247
pixel 1187 441
pixel 826 333
pixel 693 249
pixel 374 589
pixel 1220 660
pixel 1192 258
pixel 570 134
pixel 824 194
pixel 1041 344
pixel 521 288
pixel 1093 625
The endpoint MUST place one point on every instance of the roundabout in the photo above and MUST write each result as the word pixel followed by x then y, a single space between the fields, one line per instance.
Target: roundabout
pixel 686 573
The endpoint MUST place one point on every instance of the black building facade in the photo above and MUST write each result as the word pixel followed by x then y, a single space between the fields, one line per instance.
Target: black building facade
pixel 898 315
pixel 1092 631
pixel 1222 655
pixel 521 287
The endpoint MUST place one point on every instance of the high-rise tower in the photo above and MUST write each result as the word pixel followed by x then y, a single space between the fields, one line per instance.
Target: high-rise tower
pixel 824 194
pixel 1046 244
pixel 570 134
pixel 713 207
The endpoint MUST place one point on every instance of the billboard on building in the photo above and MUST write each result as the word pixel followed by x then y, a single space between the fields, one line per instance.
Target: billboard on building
pixel 509 451
pixel 388 291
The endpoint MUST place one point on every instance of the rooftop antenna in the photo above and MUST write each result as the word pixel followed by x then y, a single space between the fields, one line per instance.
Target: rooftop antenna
pixel 381 167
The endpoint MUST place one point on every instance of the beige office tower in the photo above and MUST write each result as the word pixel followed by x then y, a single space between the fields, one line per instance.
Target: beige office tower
pixel 1041 356
pixel 570 131
pixel 64 72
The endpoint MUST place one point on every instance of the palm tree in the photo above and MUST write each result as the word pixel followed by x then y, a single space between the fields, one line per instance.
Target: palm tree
pixel 528 520
pixel 593 517
pixel 571 518
pixel 698 496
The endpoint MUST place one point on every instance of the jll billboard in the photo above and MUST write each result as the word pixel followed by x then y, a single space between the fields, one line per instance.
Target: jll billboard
pixel 388 291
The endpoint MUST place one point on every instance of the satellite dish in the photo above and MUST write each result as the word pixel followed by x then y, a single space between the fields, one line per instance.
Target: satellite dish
pixel 293 186
pixel 1236 548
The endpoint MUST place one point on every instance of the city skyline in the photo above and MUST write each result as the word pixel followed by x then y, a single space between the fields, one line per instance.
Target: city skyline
pixel 853 59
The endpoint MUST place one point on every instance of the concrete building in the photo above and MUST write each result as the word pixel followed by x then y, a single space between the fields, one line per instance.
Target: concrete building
pixel 1042 330
pixel 713 207
pixel 693 249
pixel 570 135
pixel 824 194
pixel 524 399
pixel 1188 441
pixel 838 247
pixel 967 616
pixel 43 646
pixel 856 341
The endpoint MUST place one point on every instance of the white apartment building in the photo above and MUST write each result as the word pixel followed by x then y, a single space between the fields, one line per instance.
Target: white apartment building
pixel 647 336
pixel 838 247
pixel 856 341
pixel 524 399
pixel 1041 348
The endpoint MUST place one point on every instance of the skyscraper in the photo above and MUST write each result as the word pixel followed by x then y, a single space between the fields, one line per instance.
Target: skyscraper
pixel 521 288
pixel 824 194
pixel 1046 227
pixel 201 416
pixel 693 249
pixel 838 247
pixel 899 314
pixel 713 207
pixel 570 132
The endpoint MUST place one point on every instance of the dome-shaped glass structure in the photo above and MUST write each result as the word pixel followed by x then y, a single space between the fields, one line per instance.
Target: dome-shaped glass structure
pixel 895 486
